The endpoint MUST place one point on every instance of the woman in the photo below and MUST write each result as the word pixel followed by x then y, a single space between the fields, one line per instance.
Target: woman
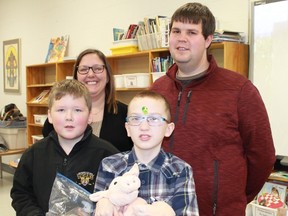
pixel 93 69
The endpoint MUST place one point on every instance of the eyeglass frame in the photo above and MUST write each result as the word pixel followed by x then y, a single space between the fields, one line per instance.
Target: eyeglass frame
pixel 163 119
pixel 88 69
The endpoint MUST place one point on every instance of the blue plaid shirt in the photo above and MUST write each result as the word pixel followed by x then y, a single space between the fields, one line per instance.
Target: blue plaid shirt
pixel 166 178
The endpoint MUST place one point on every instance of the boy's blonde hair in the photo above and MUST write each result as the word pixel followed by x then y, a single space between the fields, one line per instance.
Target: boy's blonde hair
pixel 69 87
pixel 156 96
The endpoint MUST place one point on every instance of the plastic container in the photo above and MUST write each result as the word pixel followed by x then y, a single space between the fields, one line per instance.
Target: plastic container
pixel 258 210
pixel 124 46
pixel 152 41
pixel 119 81
pixel 36 138
pixel 124 50
pixel 40 119
pixel 137 80
pixel 15 138
pixel 156 75
pixel 126 42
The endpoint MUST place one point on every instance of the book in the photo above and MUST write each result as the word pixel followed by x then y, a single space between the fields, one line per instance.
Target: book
pixel 131 30
pixel 57 48
pixel 42 97
pixel 162 23
pixel 225 35
pixel 68 58
pixel 117 32
pixel 272 195
pixel 279 175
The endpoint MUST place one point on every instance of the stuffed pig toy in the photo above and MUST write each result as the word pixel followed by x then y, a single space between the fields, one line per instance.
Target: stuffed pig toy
pixel 123 194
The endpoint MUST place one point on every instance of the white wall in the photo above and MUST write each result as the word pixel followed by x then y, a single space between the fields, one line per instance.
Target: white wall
pixel 270 46
pixel 89 24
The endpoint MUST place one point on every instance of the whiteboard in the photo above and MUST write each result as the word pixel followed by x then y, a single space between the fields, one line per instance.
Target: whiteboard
pixel 269 64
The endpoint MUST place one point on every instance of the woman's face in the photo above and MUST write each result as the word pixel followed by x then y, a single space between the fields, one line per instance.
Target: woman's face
pixel 95 82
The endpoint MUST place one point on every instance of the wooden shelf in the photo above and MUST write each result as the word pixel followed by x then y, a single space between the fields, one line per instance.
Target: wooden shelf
pixel 39 77
pixel 232 56
pixel 6 153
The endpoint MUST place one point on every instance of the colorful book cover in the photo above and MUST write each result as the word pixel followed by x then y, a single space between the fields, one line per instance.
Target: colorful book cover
pixel 118 34
pixel 272 195
pixel 57 49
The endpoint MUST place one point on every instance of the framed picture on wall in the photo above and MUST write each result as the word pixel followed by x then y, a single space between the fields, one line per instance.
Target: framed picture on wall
pixel 11 65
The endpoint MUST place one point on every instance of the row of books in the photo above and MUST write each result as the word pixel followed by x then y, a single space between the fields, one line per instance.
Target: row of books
pixel 224 35
pixel 160 64
pixel 158 26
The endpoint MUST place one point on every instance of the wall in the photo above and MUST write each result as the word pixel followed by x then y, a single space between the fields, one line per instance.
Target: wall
pixel 89 24
pixel 270 46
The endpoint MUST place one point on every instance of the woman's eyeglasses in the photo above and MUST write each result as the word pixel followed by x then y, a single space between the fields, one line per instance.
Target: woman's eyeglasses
pixel 84 69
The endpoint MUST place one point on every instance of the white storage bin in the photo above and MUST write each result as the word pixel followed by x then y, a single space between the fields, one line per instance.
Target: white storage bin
pixel 40 119
pixel 125 42
pixel 119 81
pixel 15 138
pixel 36 138
pixel 137 80
pixel 258 210
pixel 156 75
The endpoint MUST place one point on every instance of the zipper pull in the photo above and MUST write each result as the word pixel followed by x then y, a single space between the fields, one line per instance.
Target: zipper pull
pixel 214 208
pixel 179 98
pixel 65 161
pixel 189 96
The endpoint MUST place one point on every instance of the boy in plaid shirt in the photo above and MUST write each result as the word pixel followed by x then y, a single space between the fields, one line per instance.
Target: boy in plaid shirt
pixel 164 177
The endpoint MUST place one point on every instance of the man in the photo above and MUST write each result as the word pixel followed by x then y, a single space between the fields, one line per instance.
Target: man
pixel 222 128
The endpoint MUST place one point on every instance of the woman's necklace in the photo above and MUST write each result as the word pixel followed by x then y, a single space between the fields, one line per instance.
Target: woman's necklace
pixel 96 117
pixel 96 113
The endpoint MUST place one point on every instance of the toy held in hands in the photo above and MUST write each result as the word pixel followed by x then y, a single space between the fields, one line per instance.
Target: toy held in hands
pixel 123 194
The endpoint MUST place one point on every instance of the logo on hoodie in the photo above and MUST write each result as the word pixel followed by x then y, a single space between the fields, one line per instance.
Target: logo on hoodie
pixel 85 178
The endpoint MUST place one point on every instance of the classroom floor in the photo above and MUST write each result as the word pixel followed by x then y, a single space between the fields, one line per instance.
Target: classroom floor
pixel 5 187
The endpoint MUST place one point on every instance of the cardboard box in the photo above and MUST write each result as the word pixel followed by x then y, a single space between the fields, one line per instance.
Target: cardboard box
pixel 137 80
pixel 36 138
pixel 40 119
pixel 156 75
pixel 15 138
pixel 258 210
pixel 119 81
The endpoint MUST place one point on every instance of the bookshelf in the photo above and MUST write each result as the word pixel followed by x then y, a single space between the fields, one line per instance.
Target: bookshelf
pixel 233 56
pixel 40 78
pixel 139 62
pixel 230 55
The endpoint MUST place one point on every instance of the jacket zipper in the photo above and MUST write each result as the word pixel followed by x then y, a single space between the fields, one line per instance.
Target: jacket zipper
pixel 215 188
pixel 171 143
pixel 178 106
pixel 186 106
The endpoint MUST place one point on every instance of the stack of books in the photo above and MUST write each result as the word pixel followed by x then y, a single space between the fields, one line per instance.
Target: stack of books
pixel 224 35
pixel 161 64
pixel 151 33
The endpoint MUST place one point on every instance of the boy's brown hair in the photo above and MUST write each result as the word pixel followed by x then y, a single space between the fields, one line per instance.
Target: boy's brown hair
pixel 195 13
pixel 69 87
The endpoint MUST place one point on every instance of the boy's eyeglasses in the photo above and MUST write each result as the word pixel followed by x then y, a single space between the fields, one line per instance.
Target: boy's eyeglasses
pixel 97 69
pixel 153 120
